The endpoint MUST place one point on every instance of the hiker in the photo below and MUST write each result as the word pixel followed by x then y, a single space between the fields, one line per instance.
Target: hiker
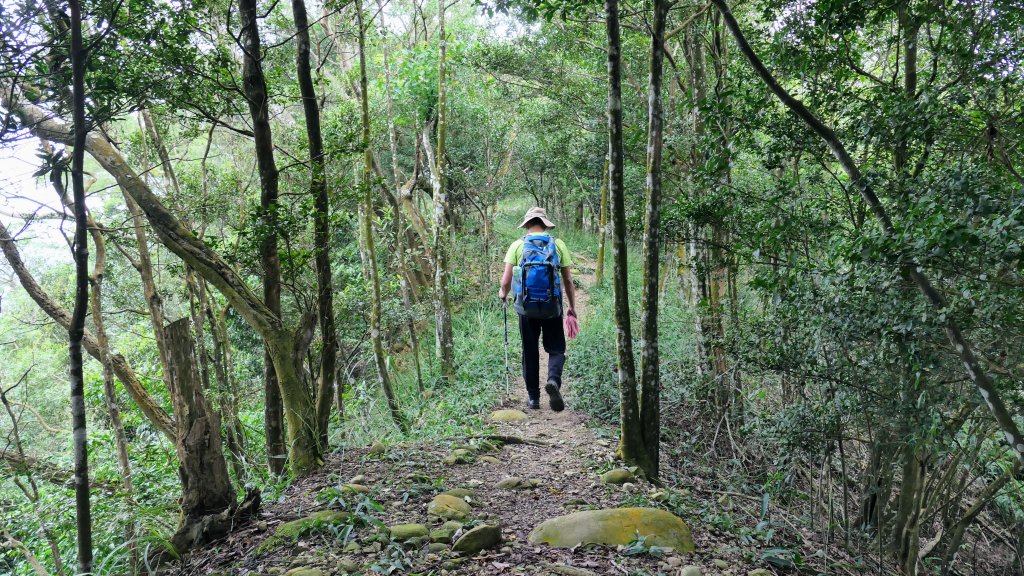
pixel 537 269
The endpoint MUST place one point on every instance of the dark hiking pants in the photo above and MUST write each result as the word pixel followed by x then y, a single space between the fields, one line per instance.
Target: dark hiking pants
pixel 554 344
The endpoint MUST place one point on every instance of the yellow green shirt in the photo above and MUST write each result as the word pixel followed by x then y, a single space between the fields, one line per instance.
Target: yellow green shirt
pixel 515 252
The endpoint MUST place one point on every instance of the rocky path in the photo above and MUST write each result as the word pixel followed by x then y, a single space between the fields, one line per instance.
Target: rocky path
pixel 467 507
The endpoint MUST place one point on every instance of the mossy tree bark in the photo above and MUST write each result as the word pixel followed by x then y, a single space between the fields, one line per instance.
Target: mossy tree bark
pixel 631 442
pixel 602 227
pixel 650 369
pixel 321 221
pixel 365 183
pixel 255 87
pixel 442 236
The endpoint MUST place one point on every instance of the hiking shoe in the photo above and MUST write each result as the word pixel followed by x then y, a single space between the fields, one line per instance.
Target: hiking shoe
pixel 554 396
pixel 533 404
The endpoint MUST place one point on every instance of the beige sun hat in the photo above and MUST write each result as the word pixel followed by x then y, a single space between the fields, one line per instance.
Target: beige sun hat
pixel 537 212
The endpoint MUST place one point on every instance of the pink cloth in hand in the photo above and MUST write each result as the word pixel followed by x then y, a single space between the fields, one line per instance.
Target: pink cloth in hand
pixel 572 326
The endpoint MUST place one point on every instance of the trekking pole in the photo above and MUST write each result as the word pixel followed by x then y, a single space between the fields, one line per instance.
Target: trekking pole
pixel 508 371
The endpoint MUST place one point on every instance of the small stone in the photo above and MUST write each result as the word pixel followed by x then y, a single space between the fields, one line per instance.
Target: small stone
pixel 437 547
pixel 629 487
pixel 720 564
pixel 449 508
pixel 403 532
pixel 261 526
pixel 304 571
pixel 358 479
pixel 352 546
pixel 348 565
pixel 510 483
pixel 377 447
pixel 659 496
pixel 482 537
pixel 355 489
pixel 691 570
pixel 490 460
pixel 674 561
pixel 617 476
pixel 452 564
pixel 507 416
pixel 759 572
pixel 459 456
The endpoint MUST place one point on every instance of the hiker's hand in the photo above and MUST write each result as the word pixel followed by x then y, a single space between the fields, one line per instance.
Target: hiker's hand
pixel 572 312
pixel 501 294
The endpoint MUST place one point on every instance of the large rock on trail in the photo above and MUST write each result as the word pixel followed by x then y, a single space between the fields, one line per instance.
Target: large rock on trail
pixel 403 532
pixel 614 527
pixel 479 538
pixel 617 476
pixel 507 416
pixel 449 508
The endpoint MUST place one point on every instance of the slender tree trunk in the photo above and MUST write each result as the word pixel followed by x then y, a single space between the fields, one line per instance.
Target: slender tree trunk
pixel 255 86
pixel 602 227
pixel 442 232
pixel 650 369
pixel 76 332
pixel 376 339
pixel 228 392
pixel 631 441
pixel 321 221
pixel 401 245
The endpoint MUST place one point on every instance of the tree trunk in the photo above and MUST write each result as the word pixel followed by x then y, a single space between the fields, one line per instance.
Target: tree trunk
pixel 321 221
pixel 954 537
pixel 602 227
pixel 205 485
pixel 405 276
pixel 371 252
pixel 76 331
pixel 228 391
pixel 442 233
pixel 977 373
pixel 650 369
pixel 255 86
pixel 631 443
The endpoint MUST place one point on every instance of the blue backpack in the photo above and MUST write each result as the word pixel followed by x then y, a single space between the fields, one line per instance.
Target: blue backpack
pixel 536 284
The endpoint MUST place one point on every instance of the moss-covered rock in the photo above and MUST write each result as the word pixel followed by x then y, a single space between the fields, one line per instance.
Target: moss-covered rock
pixel 289 532
pixel 617 476
pixel 465 494
pixel 446 532
pixel 507 416
pixel 614 527
pixel 449 508
pixel 403 532
pixel 355 489
pixel 482 537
